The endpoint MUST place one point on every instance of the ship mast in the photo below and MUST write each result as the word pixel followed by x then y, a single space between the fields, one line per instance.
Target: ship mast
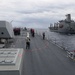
pixel 68 18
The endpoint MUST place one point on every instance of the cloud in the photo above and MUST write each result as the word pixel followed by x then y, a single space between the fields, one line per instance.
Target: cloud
pixel 35 13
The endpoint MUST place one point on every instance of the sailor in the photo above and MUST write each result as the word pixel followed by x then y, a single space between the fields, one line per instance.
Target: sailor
pixel 43 34
pixel 32 32
pixel 27 41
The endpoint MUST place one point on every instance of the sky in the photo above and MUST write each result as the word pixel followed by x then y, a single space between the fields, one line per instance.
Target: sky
pixel 35 13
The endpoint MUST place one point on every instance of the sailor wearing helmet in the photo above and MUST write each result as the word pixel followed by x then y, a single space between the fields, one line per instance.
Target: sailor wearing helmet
pixel 27 41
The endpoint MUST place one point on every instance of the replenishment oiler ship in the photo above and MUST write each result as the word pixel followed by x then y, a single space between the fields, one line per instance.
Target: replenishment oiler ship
pixel 64 26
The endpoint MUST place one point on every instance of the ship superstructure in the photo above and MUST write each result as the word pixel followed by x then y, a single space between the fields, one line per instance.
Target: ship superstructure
pixel 64 26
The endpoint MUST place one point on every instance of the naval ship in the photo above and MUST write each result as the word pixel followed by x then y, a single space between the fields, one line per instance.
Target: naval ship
pixel 64 26
pixel 43 57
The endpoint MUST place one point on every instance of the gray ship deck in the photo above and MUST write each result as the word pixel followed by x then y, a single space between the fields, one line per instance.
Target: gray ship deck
pixel 44 58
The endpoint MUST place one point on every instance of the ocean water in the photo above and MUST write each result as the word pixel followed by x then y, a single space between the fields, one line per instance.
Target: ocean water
pixel 62 40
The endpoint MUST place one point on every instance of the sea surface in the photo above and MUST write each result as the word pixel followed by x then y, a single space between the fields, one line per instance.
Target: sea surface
pixel 66 41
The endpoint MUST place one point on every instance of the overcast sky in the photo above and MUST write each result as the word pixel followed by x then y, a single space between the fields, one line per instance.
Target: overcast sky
pixel 35 13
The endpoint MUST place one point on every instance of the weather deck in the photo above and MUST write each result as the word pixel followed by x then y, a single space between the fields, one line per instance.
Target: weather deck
pixel 44 58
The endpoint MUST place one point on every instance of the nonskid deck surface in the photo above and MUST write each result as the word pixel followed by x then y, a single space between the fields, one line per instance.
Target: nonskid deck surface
pixel 44 58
